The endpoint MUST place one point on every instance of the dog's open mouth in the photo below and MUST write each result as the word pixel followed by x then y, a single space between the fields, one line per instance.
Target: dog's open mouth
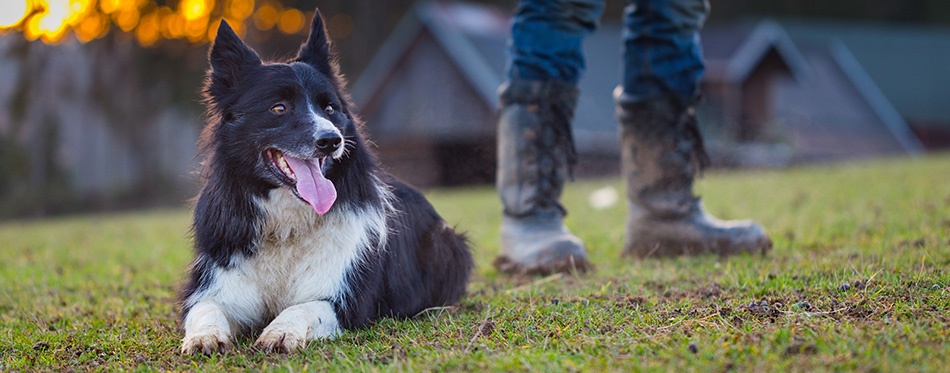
pixel 305 176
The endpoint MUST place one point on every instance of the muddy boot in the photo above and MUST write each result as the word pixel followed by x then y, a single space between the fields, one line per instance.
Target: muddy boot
pixel 535 153
pixel 662 151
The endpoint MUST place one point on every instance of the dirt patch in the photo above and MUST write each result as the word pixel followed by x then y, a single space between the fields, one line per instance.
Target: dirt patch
pixel 801 349
pixel 485 328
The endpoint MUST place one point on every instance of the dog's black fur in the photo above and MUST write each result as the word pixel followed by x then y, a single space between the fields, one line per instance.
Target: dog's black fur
pixel 423 262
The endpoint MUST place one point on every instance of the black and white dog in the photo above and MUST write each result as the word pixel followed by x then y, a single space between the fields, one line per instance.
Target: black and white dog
pixel 297 231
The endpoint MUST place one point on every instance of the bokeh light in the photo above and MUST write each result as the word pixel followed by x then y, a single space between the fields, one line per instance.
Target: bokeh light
pixel 340 26
pixel 149 23
pixel 195 9
pixel 291 21
pixel 266 17
pixel 13 12
pixel 239 9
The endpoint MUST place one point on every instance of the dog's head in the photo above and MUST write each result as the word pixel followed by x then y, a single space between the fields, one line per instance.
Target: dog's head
pixel 280 124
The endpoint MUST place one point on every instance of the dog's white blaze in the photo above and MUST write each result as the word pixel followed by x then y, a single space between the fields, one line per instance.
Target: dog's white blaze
pixel 321 124
pixel 301 257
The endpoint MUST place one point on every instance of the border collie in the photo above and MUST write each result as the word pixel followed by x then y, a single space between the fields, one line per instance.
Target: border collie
pixel 298 234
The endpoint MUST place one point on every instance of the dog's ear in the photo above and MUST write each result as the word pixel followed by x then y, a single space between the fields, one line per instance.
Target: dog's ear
pixel 230 57
pixel 316 51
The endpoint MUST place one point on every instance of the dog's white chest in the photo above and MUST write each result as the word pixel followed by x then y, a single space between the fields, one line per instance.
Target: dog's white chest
pixel 302 257
pixel 307 265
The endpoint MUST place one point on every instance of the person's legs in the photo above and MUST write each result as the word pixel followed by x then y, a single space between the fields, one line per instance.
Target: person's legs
pixel 662 55
pixel 546 37
pixel 662 149
pixel 535 148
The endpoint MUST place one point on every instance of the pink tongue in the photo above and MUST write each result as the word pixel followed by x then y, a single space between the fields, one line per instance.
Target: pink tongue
pixel 311 184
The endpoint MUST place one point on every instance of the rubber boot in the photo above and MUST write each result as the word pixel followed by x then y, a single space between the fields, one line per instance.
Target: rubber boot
pixel 535 154
pixel 662 152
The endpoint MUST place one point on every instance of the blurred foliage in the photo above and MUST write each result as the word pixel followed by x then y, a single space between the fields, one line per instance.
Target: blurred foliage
pixel 149 21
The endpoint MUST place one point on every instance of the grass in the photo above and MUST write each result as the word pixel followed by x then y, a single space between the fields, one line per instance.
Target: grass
pixel 857 280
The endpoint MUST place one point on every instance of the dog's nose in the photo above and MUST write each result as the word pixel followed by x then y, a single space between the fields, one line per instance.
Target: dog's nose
pixel 329 141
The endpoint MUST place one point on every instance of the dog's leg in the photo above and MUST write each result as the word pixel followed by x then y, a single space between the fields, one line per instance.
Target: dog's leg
pixel 206 330
pixel 298 324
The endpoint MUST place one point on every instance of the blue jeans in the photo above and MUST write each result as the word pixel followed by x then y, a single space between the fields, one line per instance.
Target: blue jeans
pixel 662 54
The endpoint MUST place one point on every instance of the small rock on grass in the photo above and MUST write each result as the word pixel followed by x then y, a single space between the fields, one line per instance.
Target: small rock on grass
pixel 485 328
pixel 692 347
pixel 40 346
pixel 844 287
pixel 935 287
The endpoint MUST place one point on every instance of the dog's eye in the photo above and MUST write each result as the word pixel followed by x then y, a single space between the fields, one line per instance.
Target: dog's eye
pixel 328 109
pixel 278 109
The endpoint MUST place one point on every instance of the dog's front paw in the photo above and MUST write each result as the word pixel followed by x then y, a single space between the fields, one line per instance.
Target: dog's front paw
pixel 281 338
pixel 206 343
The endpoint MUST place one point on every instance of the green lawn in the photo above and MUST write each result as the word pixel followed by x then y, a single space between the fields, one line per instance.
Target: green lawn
pixel 857 280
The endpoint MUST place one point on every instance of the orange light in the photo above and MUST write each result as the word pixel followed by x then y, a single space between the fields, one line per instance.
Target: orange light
pixel 53 22
pixel 92 27
pixel 266 17
pixel 213 29
pixel 127 19
pixel 239 9
pixel 147 31
pixel 164 14
pixel 340 26
pixel 110 6
pixel 175 26
pixel 291 21
pixel 196 29
pixel 13 12
pixel 195 9
pixel 150 23
pixel 237 26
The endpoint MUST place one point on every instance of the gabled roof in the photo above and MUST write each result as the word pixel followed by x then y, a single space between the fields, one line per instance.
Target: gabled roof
pixel 732 53
pixel 459 28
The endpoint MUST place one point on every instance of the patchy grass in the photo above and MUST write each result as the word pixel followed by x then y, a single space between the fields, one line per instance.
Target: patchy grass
pixel 857 280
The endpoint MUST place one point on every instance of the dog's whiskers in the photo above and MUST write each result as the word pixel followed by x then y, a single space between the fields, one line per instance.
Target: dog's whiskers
pixel 347 145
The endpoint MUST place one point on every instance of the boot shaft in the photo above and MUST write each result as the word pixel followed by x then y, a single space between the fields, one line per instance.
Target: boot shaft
pixel 535 146
pixel 662 152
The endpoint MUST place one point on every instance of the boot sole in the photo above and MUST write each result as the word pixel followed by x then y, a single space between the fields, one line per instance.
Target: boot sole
pixel 569 264
pixel 666 248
